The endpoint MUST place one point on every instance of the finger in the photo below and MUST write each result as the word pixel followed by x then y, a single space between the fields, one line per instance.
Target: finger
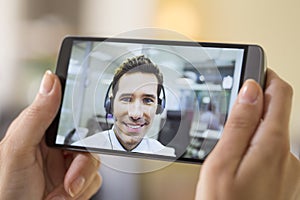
pixel 88 191
pixel 81 173
pixel 274 130
pixel 58 193
pixel 91 189
pixel 270 145
pixel 278 100
pixel 240 126
pixel 29 127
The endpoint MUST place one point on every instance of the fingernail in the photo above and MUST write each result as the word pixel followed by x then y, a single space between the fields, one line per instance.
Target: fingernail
pixel 47 83
pixel 249 93
pixel 76 186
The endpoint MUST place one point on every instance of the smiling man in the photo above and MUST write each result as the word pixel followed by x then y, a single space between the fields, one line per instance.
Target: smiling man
pixel 134 101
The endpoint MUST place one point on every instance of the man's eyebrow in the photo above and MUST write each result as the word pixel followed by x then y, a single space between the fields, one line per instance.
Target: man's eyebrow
pixel 144 95
pixel 125 94
pixel 150 96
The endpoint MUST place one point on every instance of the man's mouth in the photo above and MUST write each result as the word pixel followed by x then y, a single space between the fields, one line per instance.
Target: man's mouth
pixel 135 126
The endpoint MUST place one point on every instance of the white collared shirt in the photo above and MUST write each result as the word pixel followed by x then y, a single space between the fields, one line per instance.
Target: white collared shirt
pixel 108 140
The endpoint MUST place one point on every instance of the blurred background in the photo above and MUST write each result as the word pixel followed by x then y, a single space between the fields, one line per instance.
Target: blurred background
pixel 32 30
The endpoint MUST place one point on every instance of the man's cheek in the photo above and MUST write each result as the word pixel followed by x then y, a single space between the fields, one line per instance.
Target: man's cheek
pixel 150 111
pixel 120 109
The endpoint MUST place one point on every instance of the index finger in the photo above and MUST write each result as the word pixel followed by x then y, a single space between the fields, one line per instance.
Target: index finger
pixel 278 100
pixel 275 125
pixel 240 127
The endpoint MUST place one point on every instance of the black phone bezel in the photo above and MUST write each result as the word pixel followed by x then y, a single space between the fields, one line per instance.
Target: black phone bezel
pixel 253 67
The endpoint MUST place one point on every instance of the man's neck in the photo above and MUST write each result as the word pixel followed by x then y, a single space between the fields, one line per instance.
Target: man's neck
pixel 126 147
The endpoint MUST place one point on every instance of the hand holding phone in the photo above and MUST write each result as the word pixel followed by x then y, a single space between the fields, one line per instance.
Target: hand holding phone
pixel 252 160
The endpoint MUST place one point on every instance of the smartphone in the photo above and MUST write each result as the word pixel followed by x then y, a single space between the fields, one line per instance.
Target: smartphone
pixel 144 98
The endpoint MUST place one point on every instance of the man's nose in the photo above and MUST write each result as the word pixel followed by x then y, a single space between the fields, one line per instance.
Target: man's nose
pixel 135 110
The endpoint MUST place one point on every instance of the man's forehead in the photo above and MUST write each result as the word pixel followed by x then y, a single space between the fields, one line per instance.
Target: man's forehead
pixel 138 81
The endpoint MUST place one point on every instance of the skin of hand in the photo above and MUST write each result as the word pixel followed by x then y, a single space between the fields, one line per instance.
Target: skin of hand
pixel 252 160
pixel 31 170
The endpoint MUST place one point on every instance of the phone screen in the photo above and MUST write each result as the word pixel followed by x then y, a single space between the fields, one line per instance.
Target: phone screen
pixel 111 105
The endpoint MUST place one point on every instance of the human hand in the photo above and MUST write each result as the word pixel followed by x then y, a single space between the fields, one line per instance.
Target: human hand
pixel 252 160
pixel 31 170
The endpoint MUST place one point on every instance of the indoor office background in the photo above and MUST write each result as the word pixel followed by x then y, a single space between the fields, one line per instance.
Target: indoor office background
pixel 31 32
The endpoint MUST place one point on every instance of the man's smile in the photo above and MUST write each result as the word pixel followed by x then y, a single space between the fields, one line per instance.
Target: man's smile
pixel 135 125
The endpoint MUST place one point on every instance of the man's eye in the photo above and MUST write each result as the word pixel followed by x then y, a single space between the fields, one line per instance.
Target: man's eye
pixel 148 100
pixel 126 99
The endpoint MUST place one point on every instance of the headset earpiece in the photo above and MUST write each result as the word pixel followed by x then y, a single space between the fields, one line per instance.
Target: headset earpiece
pixel 108 101
pixel 108 105
pixel 161 102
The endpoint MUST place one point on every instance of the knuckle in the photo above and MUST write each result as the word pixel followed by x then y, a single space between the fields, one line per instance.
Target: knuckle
pixel 243 117
pixel 238 122
pixel 32 111
pixel 274 154
pixel 279 143
pixel 33 114
pixel 215 166
pixel 282 87
pixel 286 88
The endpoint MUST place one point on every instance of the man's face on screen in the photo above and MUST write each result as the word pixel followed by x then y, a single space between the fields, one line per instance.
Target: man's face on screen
pixel 134 107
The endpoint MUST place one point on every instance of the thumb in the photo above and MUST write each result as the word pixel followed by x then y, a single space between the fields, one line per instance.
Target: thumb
pixel 29 127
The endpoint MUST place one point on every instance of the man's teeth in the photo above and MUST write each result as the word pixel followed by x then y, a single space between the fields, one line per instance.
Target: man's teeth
pixel 132 126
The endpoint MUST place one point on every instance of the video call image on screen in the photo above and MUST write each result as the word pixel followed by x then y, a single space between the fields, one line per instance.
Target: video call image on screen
pixel 154 99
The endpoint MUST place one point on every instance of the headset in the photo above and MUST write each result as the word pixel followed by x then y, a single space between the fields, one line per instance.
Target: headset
pixel 108 101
